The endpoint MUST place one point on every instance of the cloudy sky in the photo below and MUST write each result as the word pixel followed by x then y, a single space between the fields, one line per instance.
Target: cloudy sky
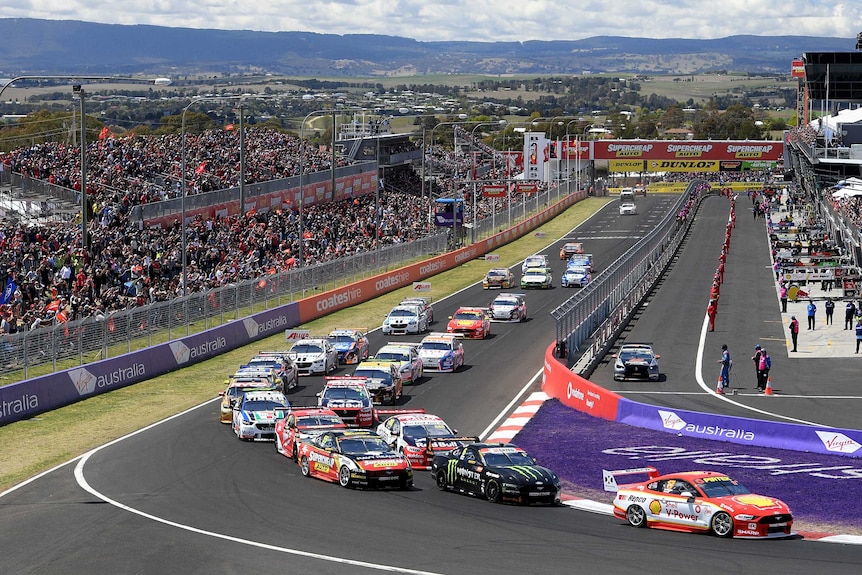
pixel 481 20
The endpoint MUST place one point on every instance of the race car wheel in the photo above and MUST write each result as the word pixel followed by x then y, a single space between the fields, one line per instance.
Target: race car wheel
pixel 441 480
pixel 492 492
pixel 344 476
pixel 722 524
pixel 304 467
pixel 636 516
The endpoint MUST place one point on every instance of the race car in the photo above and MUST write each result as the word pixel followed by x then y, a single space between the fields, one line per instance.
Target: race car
pixel 349 398
pixel 582 260
pixel 405 319
pixel 628 209
pixel 410 433
pixel 502 278
pixel 424 304
pixel 354 458
pixel 535 261
pixel 636 360
pixel 285 368
pixel 235 388
pixel 497 471
pixel 351 344
pixel 269 373
pixel 406 355
pixel 571 248
pixel 314 355
pixel 509 307
pixel 537 278
pixel 575 276
pixel 256 412
pixel 302 424
pixel 472 322
pixel 382 379
pixel 698 501
pixel 441 352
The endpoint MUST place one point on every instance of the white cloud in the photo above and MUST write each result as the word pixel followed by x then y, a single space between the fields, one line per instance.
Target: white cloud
pixel 481 20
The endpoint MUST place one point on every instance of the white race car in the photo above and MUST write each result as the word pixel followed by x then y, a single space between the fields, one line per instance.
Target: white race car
pixel 441 352
pixel 409 433
pixel 534 261
pixel 509 307
pixel 314 355
pixel 256 413
pixel 407 356
pixel 628 209
pixel 404 319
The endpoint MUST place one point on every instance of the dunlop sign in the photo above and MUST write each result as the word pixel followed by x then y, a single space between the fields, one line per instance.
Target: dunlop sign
pixel 626 165
pixel 683 166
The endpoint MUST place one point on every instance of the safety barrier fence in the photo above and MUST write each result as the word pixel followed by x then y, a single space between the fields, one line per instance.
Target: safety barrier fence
pixel 233 319
pixel 574 391
pixel 601 307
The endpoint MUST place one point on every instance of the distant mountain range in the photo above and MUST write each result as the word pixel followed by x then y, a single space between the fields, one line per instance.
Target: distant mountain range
pixel 33 47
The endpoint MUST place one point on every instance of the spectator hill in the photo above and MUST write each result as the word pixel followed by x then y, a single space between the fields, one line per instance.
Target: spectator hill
pixel 33 44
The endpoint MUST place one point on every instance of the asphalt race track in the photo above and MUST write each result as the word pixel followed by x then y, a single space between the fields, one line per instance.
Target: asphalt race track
pixel 186 496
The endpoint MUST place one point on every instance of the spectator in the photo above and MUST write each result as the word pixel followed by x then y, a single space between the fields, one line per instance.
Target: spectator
pixel 812 310
pixel 794 331
pixel 724 374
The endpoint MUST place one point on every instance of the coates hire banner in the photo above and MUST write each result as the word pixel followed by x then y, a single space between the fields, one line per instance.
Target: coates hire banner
pixel 687 151
pixel 578 393
pixel 33 396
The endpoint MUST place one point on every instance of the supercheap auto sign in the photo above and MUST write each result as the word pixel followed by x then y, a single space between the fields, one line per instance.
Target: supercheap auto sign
pixel 686 154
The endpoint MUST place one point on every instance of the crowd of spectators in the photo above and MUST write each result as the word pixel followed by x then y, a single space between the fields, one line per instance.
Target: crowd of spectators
pixel 127 265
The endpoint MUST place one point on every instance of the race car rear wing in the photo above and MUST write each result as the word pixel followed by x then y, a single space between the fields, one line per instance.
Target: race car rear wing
pixel 444 334
pixel 610 477
pixel 413 344
pixel 442 444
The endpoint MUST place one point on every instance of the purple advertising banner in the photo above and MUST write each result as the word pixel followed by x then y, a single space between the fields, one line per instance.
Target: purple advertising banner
pixel 826 440
pixel 27 398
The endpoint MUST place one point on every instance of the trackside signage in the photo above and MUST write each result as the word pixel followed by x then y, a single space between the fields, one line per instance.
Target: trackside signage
pixel 27 398
pixel 576 392
pixel 33 396
pixel 741 430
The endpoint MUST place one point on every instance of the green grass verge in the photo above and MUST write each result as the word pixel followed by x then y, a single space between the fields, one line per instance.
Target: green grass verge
pixel 37 444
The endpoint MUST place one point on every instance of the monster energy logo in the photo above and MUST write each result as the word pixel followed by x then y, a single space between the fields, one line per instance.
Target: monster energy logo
pixel 526 471
pixel 450 471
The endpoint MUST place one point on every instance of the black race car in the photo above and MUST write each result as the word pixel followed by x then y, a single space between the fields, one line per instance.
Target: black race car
pixel 496 471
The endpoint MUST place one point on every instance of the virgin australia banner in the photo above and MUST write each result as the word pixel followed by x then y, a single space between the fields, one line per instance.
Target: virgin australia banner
pixel 741 430
pixel 30 397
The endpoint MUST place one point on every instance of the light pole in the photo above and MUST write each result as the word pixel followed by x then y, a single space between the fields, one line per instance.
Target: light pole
pixel 473 163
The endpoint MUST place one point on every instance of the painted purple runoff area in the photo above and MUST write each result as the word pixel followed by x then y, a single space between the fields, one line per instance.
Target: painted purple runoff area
pixel 798 437
pixel 826 488
pixel 33 396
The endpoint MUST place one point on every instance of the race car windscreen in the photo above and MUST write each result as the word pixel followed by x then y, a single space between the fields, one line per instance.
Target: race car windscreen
pixel 358 446
pixel 402 313
pixel 509 458
pixel 630 354
pixel 722 487
pixel 375 374
pixel 260 405
pixel 340 339
pixel 306 348
pixel 427 430
pixel 468 315
pixel 393 356
pixel 318 421
pixel 343 394
pixel 437 345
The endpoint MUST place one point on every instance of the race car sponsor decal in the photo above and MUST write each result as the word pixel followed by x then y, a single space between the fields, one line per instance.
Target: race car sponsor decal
pixel 758 501
pixel 320 461
pixel 655 507
pixel 468 474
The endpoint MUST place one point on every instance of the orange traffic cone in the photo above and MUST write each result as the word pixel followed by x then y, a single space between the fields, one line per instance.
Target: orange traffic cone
pixel 768 390
pixel 719 389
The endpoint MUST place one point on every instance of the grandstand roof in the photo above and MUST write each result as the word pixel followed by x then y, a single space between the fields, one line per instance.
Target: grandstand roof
pixel 834 76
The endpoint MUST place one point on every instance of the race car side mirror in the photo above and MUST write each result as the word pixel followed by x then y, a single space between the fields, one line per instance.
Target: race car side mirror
pixel 221 394
pixel 658 357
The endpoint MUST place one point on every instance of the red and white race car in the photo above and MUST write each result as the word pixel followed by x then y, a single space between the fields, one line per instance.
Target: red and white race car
pixel 411 433
pixel 354 458
pixel 472 322
pixel 301 424
pixel 698 501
